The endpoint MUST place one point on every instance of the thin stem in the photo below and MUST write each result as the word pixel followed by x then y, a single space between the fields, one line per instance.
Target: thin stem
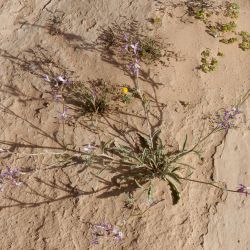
pixel 145 109
pixel 63 124
pixel 217 129
pixel 209 183
pixel 243 99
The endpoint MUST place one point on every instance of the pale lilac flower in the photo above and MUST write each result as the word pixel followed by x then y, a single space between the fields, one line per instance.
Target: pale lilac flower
pixel 126 37
pixel 135 47
pixel 46 78
pixel 58 97
pixel 105 229
pixel 63 115
pixel 105 226
pixel 118 235
pixel 126 46
pixel 135 67
pixel 10 173
pixel 225 121
pixel 63 80
pixel 9 176
pixel 88 148
pixel 243 189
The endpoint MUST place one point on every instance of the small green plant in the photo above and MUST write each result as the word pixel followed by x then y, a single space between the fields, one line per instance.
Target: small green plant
pixel 157 21
pixel 212 30
pixel 208 63
pixel 127 94
pixel 226 27
pixel 129 44
pixel 93 97
pixel 220 54
pixel 150 50
pixel 245 43
pixel 200 9
pixel 229 40
pixel 232 10
pixel 221 28
pixel 149 161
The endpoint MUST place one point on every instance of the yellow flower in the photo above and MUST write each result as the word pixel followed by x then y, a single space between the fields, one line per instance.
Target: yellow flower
pixel 124 90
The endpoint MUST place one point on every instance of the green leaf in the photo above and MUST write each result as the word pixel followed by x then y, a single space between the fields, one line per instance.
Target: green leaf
pixel 106 145
pixel 184 144
pixel 138 184
pixel 156 139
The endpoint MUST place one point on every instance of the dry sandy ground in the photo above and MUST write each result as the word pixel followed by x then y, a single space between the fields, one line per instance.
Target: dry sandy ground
pixel 47 212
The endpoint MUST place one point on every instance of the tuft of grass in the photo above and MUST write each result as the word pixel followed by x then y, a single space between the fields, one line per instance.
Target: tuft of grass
pixel 150 50
pixel 93 97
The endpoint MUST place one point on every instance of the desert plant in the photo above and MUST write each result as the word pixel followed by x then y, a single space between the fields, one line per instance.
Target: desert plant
pixel 149 158
pixel 92 97
pixel 134 44
pixel 245 43
pixel 150 50
pixel 226 27
pixel 149 161
pixel 208 63
pixel 200 9
pixel 229 40
pixel 232 10
pixel 156 21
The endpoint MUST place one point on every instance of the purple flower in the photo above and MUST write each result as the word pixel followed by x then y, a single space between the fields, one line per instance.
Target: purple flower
pixel 58 80
pixel 243 189
pixel 118 235
pixel 9 175
pixel 63 80
pixel 105 226
pixel 105 229
pixel 126 37
pixel 135 67
pixel 57 97
pixel 135 47
pixel 88 148
pixel 224 121
pixel 46 78
pixel 63 115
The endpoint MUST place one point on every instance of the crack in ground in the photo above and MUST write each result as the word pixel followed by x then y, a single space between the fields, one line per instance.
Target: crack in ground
pixel 219 196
